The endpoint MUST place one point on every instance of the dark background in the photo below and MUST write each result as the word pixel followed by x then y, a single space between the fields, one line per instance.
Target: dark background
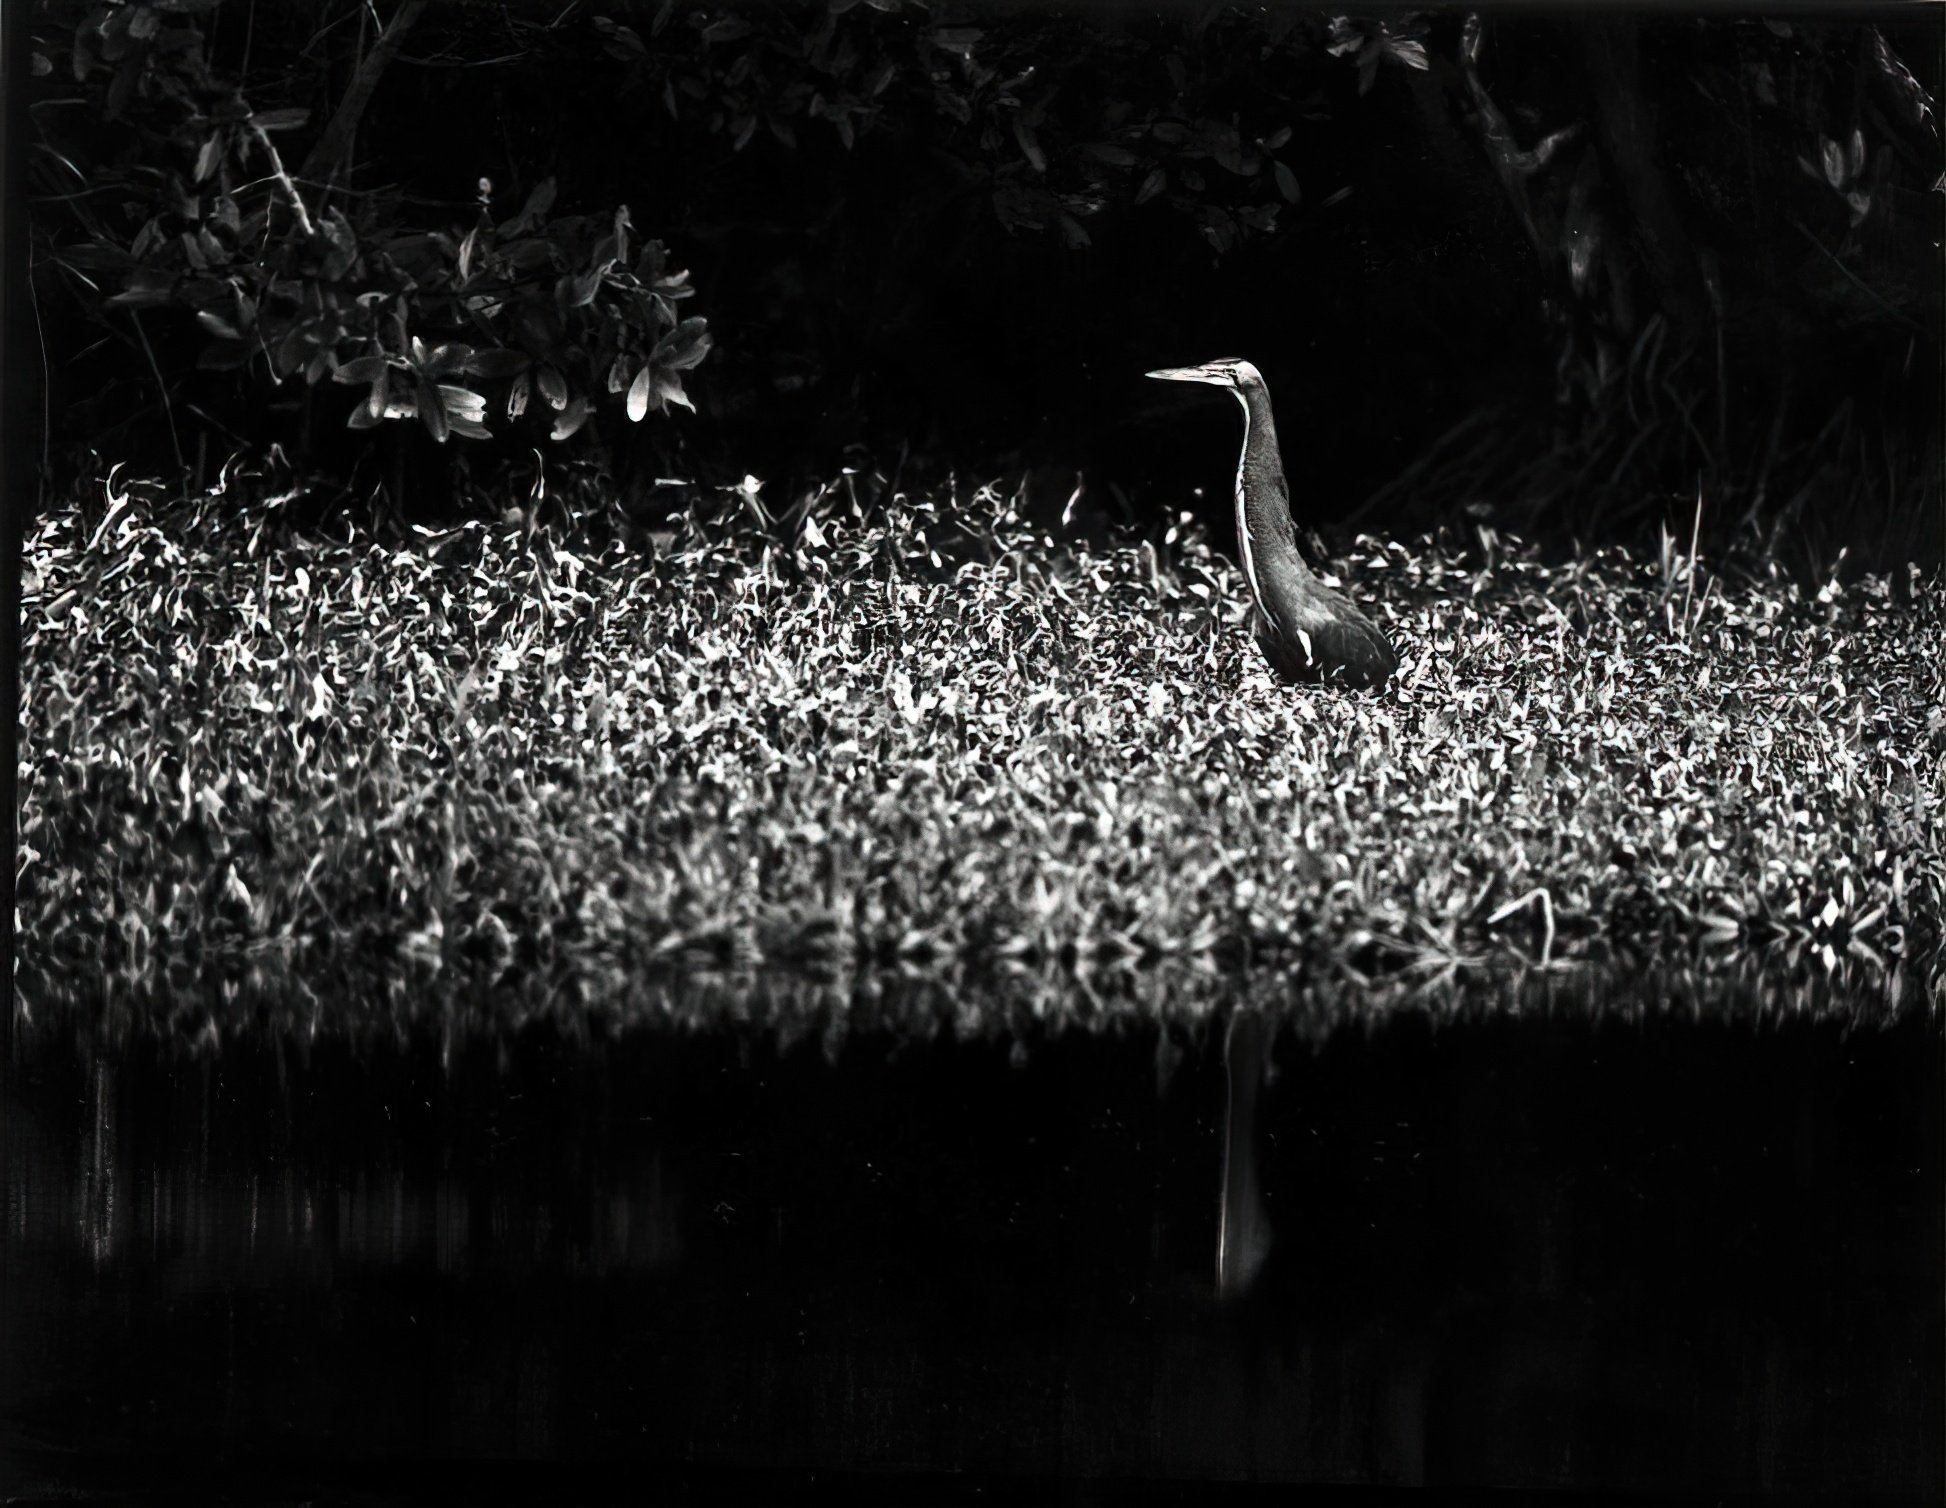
pixel 912 292
pixel 1631 1252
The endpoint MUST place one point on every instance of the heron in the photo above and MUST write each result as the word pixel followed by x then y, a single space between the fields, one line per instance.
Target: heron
pixel 1307 631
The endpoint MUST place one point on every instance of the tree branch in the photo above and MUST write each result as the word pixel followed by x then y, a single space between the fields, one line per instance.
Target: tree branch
pixel 333 148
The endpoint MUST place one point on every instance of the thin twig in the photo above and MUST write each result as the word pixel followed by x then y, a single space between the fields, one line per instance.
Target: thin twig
pixel 1857 282
pixel 1689 588
pixel 262 138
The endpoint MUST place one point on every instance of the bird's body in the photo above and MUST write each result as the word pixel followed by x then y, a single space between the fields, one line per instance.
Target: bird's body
pixel 1307 631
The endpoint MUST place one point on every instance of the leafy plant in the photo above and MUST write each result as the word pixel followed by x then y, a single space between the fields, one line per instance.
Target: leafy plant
pixel 207 221
pixel 486 772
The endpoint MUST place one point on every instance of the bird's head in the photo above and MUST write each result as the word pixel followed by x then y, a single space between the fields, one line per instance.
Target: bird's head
pixel 1227 371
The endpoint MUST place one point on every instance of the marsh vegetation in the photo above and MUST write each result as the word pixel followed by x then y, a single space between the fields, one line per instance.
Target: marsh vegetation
pixel 513 769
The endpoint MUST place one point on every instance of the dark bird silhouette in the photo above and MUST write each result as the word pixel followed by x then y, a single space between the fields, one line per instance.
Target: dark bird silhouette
pixel 1307 631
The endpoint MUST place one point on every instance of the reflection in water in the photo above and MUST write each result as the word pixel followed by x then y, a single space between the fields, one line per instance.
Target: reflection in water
pixel 1640 1256
pixel 1243 1228
pixel 97 1182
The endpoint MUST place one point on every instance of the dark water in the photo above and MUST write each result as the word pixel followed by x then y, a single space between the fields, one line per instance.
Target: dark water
pixel 1573 1254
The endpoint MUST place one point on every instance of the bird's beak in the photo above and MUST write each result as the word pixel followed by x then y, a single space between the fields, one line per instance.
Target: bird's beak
pixel 1188 374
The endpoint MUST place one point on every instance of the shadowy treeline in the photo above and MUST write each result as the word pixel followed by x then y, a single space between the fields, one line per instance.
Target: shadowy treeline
pixel 1558 269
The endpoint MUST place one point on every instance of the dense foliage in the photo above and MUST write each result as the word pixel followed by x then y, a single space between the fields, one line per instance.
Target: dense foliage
pixel 186 208
pixel 944 227
pixel 505 769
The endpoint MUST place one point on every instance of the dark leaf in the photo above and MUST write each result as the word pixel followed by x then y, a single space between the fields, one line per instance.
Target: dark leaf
pixel 572 418
pixel 1227 148
pixel 500 361
pixel 114 34
pixel 280 120
pixel 620 41
pixel 528 254
pixel 1030 146
pixel 683 347
pixel 144 294
pixel 448 360
pixel 1412 54
pixel 289 353
pixel 553 388
pixel 432 412
pixel 100 256
pixel 122 90
pixel 208 157
pixel 539 202
pixel 223 356
pixel 343 246
pixel 1833 158
pixel 217 325
pixel 668 388
pixel 359 369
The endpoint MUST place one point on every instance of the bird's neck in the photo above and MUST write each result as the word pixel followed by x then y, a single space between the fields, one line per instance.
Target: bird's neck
pixel 1263 500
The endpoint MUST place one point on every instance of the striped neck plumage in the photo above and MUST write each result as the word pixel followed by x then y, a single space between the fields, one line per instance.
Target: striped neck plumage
pixel 1264 528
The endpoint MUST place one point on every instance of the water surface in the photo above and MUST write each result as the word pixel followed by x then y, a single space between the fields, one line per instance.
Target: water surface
pixel 1559 1251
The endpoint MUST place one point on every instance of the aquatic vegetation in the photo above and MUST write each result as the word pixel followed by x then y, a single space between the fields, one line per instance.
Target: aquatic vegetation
pixel 498 771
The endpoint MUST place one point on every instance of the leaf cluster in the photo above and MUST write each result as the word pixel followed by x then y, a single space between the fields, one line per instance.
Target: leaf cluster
pixel 1057 118
pixel 177 199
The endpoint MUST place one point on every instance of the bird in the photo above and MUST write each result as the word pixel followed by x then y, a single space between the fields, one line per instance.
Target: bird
pixel 1308 632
